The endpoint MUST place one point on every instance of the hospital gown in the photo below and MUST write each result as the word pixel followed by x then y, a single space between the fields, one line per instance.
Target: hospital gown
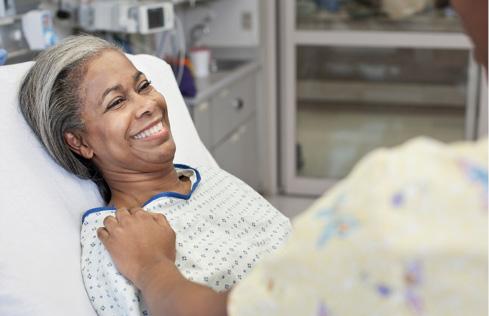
pixel 404 234
pixel 223 227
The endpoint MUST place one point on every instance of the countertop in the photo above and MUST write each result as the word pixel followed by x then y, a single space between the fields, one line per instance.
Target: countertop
pixel 216 81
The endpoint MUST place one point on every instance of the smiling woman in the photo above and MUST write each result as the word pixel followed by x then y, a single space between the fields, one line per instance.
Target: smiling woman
pixel 126 131
pixel 101 119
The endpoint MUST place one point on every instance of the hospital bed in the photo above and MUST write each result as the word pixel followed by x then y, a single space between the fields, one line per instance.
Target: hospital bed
pixel 41 204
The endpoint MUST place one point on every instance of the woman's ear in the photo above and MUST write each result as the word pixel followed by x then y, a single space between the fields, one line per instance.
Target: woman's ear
pixel 78 145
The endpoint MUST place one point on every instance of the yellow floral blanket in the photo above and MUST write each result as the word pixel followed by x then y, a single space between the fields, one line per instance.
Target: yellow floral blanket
pixel 406 233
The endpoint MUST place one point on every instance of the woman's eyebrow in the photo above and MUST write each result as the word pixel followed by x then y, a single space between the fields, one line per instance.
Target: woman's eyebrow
pixel 118 87
pixel 137 75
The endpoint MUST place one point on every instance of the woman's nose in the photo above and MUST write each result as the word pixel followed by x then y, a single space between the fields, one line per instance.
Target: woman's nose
pixel 144 107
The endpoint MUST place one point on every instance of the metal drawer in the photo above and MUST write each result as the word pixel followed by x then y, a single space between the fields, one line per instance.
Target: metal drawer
pixel 232 106
pixel 238 153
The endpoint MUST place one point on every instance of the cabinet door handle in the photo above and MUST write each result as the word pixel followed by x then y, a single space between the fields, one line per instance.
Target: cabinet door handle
pixel 235 138
pixel 238 104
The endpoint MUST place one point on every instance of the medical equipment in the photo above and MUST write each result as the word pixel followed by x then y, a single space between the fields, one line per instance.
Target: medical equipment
pixel 127 16
pixel 3 56
pixel 13 41
pixel 201 60
pixel 38 29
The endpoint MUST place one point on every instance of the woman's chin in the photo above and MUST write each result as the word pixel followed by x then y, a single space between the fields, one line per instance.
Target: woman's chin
pixel 167 150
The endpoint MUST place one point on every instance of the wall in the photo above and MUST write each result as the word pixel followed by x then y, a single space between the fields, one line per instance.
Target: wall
pixel 235 23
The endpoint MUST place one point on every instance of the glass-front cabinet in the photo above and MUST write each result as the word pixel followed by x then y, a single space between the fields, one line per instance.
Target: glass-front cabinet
pixel 362 74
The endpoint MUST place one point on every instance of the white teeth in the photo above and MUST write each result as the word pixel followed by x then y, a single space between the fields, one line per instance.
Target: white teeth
pixel 150 131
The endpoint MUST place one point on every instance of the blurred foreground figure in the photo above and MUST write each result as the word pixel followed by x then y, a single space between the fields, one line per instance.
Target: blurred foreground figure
pixel 404 234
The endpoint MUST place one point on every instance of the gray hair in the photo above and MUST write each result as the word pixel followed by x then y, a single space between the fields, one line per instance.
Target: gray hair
pixel 50 101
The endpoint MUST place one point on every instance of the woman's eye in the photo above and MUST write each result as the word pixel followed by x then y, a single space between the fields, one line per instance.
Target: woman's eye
pixel 114 104
pixel 145 85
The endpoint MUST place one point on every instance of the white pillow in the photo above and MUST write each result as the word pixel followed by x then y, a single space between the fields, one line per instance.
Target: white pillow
pixel 41 204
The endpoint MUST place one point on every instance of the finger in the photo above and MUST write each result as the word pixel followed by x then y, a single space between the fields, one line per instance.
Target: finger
pixel 122 214
pixel 110 222
pixel 103 234
pixel 135 210
pixel 160 219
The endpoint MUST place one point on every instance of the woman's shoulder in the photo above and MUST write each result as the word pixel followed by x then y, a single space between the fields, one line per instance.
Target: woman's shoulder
pixel 96 212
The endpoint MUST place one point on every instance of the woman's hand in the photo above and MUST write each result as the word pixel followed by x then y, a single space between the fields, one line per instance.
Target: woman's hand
pixel 142 246
pixel 138 242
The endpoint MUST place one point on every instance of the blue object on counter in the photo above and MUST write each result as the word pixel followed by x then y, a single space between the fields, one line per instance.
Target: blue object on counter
pixel 187 86
pixel 187 83
pixel 3 56
pixel 50 37
pixel 330 5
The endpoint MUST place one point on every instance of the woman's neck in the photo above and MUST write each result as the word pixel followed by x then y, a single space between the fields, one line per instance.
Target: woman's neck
pixel 131 190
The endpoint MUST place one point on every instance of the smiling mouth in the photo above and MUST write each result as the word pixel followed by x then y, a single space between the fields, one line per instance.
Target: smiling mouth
pixel 150 131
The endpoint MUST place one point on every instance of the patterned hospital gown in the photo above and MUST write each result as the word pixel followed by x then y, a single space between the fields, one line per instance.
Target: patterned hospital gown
pixel 223 227
pixel 404 234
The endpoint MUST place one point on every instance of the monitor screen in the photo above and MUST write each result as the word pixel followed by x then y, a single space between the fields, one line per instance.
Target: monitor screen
pixel 156 18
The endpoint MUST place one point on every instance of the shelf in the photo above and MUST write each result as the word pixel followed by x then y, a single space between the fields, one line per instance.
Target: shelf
pixel 431 21
pixel 9 19
pixel 19 53
pixel 428 40
pixel 190 2
pixel 400 94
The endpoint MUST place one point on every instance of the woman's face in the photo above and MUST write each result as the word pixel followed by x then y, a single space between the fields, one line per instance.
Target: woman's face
pixel 126 120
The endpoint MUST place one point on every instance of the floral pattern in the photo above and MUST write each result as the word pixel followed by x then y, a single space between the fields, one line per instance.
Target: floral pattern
pixel 405 234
